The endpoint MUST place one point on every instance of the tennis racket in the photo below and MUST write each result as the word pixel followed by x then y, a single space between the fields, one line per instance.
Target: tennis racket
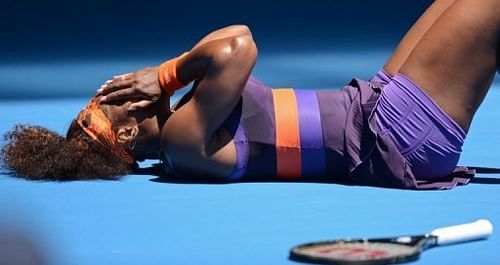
pixel 388 250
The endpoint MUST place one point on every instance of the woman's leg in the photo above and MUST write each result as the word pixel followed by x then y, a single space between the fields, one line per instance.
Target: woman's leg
pixel 455 60
pixel 413 36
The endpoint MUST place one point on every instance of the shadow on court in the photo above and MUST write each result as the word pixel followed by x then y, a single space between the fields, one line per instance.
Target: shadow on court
pixel 157 171
pixel 486 180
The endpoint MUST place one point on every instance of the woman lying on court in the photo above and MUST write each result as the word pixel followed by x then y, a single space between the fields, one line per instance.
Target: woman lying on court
pixel 404 128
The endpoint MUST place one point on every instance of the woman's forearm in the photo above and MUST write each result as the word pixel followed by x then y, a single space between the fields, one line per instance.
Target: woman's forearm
pixel 214 50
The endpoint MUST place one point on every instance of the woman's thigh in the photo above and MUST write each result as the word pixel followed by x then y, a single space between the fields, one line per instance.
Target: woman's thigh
pixel 455 61
pixel 413 36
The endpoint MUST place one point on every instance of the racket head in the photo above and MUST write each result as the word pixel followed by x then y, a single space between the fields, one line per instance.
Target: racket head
pixel 363 251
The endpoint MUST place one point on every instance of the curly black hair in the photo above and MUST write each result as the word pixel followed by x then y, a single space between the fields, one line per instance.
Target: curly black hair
pixel 37 153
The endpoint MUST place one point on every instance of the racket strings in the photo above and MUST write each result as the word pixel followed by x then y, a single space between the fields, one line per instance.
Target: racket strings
pixel 358 250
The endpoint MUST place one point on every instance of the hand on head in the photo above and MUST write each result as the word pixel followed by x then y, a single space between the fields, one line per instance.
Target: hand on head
pixel 141 86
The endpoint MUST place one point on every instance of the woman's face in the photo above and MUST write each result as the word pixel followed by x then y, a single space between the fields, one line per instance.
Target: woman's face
pixel 139 130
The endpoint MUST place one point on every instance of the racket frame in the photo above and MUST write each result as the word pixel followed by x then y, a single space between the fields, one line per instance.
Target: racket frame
pixel 418 242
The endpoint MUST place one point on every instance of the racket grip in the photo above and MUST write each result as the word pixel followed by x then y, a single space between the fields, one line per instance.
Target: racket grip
pixel 466 232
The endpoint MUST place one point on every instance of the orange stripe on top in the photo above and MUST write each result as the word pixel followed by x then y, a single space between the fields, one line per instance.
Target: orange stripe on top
pixel 286 118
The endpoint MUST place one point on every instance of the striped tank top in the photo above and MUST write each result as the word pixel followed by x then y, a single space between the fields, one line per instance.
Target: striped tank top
pixel 289 134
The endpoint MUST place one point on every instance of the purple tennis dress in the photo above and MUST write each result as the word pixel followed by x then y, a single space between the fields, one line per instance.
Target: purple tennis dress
pixel 345 136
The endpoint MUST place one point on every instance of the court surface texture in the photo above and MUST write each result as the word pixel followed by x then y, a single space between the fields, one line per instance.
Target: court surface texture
pixel 141 219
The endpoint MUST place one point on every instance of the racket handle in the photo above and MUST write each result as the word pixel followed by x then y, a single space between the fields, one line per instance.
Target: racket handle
pixel 466 232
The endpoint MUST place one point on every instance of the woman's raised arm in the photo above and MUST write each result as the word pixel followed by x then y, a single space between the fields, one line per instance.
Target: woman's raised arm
pixel 143 85
pixel 220 69
pixel 219 65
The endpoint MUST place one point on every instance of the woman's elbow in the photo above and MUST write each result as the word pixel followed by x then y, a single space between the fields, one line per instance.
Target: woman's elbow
pixel 244 46
pixel 240 30
pixel 241 48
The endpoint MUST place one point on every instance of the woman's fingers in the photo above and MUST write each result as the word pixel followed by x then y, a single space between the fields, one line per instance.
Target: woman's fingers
pixel 123 76
pixel 118 82
pixel 122 94
pixel 113 86
pixel 140 105
pixel 141 87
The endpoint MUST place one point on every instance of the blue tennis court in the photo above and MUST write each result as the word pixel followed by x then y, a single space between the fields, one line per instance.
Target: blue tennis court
pixel 55 54
pixel 142 219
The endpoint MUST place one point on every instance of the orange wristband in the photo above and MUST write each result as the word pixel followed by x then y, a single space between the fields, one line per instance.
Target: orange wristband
pixel 167 76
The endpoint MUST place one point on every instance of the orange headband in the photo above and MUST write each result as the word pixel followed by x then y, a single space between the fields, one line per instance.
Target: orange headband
pixel 95 123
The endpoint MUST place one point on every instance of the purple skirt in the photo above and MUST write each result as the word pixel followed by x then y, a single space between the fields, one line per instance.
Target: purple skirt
pixel 373 157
